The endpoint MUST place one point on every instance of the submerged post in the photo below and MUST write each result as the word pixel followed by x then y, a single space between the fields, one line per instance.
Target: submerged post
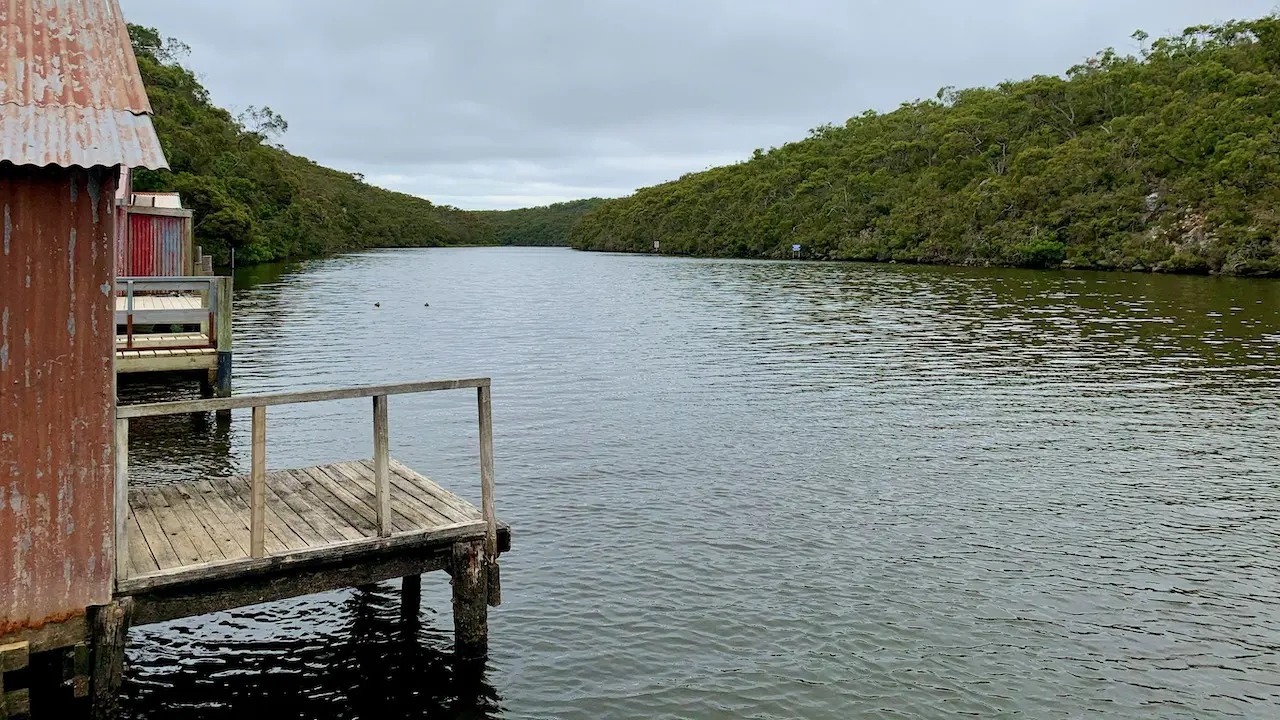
pixel 410 596
pixel 110 629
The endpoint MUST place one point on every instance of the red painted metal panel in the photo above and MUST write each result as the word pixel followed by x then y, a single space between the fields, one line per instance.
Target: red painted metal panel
pixel 56 393
pixel 156 246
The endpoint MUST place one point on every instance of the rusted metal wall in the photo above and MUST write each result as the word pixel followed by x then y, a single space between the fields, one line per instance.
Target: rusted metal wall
pixel 57 401
pixel 157 246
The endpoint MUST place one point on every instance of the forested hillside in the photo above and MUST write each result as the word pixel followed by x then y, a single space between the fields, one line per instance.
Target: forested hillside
pixel 253 196
pixel 545 225
pixel 1165 160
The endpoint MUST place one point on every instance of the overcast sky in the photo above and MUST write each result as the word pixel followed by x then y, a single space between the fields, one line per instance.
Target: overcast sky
pixel 510 103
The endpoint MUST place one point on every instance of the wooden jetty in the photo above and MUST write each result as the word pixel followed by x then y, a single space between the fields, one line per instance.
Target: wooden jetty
pixel 190 547
pixel 148 308
pixel 197 546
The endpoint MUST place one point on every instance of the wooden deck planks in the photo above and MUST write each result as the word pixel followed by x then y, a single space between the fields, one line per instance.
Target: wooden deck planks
pixel 362 487
pixel 185 525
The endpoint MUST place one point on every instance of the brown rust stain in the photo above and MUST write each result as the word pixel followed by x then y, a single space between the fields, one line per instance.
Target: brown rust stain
pixel 70 91
pixel 10 628
pixel 56 393
pixel 68 52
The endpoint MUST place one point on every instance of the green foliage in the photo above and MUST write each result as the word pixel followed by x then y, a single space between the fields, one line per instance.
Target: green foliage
pixel 1165 161
pixel 546 225
pixel 255 197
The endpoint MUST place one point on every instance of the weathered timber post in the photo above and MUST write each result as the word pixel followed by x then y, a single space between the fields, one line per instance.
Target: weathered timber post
pixel 221 376
pixel 110 631
pixel 15 703
pixel 493 581
pixel 410 596
pixel 470 600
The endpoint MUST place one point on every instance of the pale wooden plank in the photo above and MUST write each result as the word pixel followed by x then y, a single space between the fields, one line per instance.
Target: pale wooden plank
pixel 247 401
pixel 133 363
pixel 213 529
pixel 437 511
pixel 182 545
pixel 305 503
pixel 288 515
pixel 235 498
pixel 359 481
pixel 343 518
pixel 140 558
pixel 344 503
pixel 437 537
pixel 155 536
pixel 258 492
pixel 275 524
pixel 235 524
pixel 442 500
pixel 120 497
pixel 194 530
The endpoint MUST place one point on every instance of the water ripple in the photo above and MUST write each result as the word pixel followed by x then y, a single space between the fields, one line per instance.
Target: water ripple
pixel 773 490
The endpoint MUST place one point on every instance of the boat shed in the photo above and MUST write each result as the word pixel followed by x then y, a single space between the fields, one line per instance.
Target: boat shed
pixel 73 112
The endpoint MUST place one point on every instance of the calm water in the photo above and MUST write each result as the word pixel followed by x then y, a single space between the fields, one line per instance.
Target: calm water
pixel 771 490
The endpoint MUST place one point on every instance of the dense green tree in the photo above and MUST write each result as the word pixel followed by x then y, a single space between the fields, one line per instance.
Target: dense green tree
pixel 546 225
pixel 1164 161
pixel 257 198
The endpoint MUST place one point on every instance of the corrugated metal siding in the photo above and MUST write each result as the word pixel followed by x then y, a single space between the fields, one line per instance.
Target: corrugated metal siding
pixel 57 405
pixel 156 246
pixel 75 136
pixel 69 87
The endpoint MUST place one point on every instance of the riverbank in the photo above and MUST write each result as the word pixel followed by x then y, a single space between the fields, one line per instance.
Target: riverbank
pixel 1125 162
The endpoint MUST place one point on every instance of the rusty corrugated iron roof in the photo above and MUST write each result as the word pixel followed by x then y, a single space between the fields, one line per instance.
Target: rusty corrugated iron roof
pixel 70 92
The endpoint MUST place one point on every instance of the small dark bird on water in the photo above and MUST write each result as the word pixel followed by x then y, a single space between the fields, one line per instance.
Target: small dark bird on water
pixel 377 304
pixel 426 304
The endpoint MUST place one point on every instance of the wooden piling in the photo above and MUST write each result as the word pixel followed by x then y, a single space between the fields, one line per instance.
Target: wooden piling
pixel 14 703
pixel 110 631
pixel 470 600
pixel 222 373
pixel 410 596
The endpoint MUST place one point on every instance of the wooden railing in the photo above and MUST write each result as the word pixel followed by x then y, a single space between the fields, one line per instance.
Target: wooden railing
pixel 258 464
pixel 213 313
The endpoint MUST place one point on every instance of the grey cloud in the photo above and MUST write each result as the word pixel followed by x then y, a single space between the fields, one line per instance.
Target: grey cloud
pixel 491 103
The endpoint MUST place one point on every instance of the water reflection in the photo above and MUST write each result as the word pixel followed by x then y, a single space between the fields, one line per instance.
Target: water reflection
pixel 342 655
pixel 778 489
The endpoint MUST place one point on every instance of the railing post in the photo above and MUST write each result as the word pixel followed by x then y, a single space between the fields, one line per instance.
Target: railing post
pixel 381 465
pixel 258 488
pixel 129 317
pixel 121 496
pixel 484 404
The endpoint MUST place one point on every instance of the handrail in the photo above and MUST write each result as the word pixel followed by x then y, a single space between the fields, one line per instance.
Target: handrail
pixel 257 500
pixel 240 402
pixel 214 313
